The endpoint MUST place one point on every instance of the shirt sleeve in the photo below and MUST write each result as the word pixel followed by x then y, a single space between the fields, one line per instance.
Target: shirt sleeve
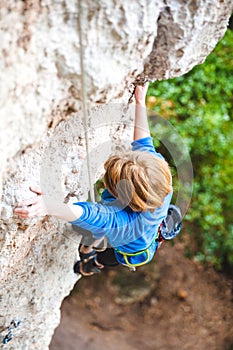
pixel 145 145
pixel 98 218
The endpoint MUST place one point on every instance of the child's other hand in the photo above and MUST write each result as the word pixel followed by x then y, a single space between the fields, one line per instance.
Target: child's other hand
pixel 31 208
pixel 140 93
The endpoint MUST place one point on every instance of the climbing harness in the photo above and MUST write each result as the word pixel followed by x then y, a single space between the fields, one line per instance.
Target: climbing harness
pixel 168 230
pixel 11 330
pixel 133 260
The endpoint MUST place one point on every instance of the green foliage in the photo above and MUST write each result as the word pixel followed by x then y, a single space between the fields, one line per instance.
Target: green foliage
pixel 200 106
pixel 99 188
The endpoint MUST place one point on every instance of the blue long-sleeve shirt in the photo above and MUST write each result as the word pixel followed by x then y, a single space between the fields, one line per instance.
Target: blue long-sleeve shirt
pixel 124 229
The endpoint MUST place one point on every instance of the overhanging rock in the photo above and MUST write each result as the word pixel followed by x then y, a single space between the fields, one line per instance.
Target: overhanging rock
pixel 42 133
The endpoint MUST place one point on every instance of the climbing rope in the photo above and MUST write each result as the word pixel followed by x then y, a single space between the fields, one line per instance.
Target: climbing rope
pixel 140 80
pixel 84 99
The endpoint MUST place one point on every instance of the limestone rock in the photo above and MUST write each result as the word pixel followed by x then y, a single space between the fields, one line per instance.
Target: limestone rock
pixel 43 70
pixel 187 33
pixel 37 255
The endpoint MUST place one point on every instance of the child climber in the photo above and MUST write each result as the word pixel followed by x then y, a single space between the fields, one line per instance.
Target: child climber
pixel 134 215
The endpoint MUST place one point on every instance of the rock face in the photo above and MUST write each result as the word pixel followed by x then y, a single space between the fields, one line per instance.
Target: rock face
pixel 53 54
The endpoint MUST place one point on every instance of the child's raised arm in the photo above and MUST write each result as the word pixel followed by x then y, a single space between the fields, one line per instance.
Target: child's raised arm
pixel 141 127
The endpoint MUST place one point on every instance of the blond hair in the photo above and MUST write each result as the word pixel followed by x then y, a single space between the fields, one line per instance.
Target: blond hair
pixel 138 179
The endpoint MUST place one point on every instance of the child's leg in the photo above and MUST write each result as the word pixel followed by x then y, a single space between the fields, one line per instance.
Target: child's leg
pixel 107 258
pixel 93 262
pixel 86 263
pixel 93 254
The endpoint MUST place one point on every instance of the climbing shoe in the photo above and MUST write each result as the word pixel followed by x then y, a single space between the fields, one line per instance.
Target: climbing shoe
pixel 87 263
pixel 86 256
pixel 82 267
